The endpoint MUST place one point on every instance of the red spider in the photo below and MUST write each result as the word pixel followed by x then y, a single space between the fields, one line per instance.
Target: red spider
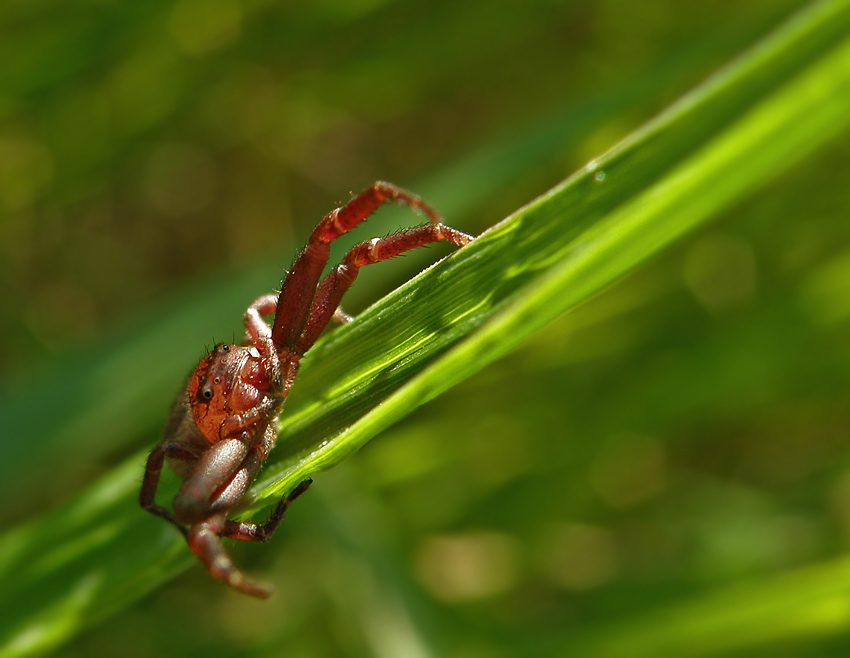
pixel 222 425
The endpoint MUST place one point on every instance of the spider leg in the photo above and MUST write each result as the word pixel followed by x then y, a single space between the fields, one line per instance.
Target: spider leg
pixel 217 482
pixel 153 470
pixel 334 285
pixel 296 300
pixel 265 305
pixel 221 478
pixel 264 531
pixel 220 468
pixel 204 537
pixel 205 542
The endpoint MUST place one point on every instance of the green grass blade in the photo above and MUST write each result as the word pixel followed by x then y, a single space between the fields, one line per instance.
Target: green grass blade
pixel 792 607
pixel 776 104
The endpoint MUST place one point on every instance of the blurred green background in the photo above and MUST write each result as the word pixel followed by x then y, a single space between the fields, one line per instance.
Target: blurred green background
pixel 648 461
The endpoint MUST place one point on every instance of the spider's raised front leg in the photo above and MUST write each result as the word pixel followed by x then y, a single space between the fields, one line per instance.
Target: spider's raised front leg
pixel 339 280
pixel 304 307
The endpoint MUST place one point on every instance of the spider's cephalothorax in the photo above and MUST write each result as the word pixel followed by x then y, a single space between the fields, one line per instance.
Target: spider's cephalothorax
pixel 222 426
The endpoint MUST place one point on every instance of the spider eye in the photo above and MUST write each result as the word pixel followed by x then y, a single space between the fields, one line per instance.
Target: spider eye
pixel 205 393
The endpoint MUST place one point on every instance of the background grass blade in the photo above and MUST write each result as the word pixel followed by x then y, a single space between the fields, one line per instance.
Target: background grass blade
pixel 789 608
pixel 777 103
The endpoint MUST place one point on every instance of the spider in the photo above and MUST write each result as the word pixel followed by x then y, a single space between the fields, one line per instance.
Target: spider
pixel 221 427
